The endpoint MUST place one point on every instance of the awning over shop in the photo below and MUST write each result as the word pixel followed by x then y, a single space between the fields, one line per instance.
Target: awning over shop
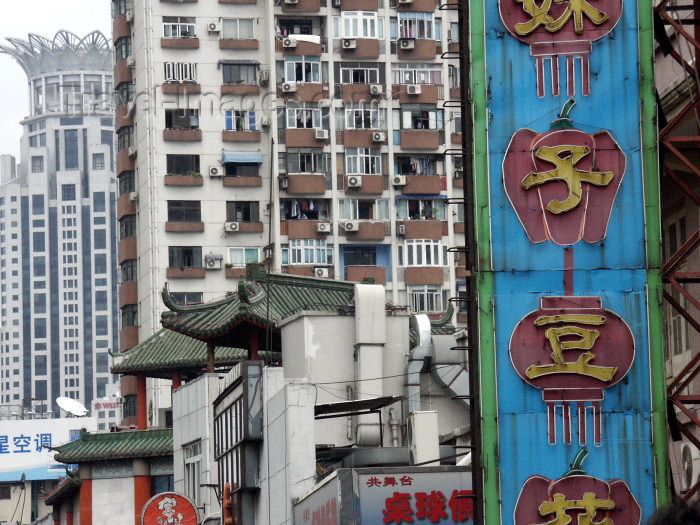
pixel 241 157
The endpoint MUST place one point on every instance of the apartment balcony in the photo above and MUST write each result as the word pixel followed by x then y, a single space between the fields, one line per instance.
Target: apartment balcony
pixel 423 6
pixel 361 273
pixel 182 135
pixel 368 230
pixel 304 91
pixel 416 275
pixel 456 138
pixel 458 181
pixel 247 227
pixel 422 139
pixel 125 162
pixel 455 94
pixel 185 273
pixel 125 206
pixel 459 227
pixel 128 293
pixel 122 117
pixel 120 27
pixel 363 138
pixel 359 92
pixel 183 180
pixel 240 136
pixel 242 182
pixel 359 48
pixel 308 270
pixel 181 88
pixel 291 6
pixel 302 138
pixel 179 43
pixel 234 273
pixel 429 94
pixel 300 47
pixel 422 184
pixel 369 184
pixel 238 43
pixel 305 229
pixel 184 226
pixel 240 89
pixel 421 48
pixel 126 249
pixel 423 229
pixel 306 183
pixel 237 1
pixel 359 5
pixel 128 338
pixel 122 72
pixel 453 49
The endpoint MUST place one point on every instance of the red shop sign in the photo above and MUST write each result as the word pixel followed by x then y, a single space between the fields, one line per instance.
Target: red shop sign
pixel 169 508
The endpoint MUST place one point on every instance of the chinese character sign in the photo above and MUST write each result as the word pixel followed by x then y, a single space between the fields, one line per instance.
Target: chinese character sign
pixel 578 499
pixel 554 28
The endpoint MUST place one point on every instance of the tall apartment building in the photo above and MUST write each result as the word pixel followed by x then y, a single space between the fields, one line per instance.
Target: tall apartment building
pixel 57 229
pixel 312 134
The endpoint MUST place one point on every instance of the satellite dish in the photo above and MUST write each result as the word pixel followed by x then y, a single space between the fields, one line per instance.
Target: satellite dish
pixel 73 407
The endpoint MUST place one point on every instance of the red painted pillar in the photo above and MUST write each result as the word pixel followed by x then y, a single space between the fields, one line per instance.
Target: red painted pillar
pixel 177 380
pixel 141 411
pixel 142 488
pixel 86 502
pixel 69 517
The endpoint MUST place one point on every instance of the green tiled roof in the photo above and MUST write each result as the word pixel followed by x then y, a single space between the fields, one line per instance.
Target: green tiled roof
pixel 219 321
pixel 65 488
pixel 116 445
pixel 167 351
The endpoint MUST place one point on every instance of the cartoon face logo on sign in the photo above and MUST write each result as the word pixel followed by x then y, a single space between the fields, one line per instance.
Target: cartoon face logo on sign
pixel 169 508
pixel 572 349
pixel 562 183
pixel 560 28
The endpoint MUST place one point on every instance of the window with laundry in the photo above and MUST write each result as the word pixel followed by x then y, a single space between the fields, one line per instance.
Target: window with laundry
pixel 418 165
pixel 313 209
pixel 418 116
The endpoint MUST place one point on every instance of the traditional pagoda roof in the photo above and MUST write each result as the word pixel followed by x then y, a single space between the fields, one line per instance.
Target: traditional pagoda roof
pixel 110 446
pixel 166 352
pixel 230 320
pixel 65 488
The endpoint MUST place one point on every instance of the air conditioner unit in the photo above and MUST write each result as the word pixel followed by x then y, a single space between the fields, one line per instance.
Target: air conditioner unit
pixel 289 42
pixel 404 2
pixel 690 465
pixel 354 181
pixel 264 122
pixel 378 136
pixel 352 226
pixel 459 174
pixel 289 87
pixel 349 43
pixel 134 196
pixel 284 182
pixel 129 15
pixel 323 227
pixel 232 226
pixel 321 272
pixel 264 77
pixel 400 229
pixel 214 27
pixel 407 43
pixel 321 134
pixel 216 171
pixel 131 151
pixel 130 62
pixel 212 261
pixel 449 35
pixel 376 89
pixel 399 180
pixel 291 1
pixel 423 443
pixel 413 89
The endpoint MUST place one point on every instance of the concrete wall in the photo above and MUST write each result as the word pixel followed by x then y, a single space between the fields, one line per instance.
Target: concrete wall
pixel 111 498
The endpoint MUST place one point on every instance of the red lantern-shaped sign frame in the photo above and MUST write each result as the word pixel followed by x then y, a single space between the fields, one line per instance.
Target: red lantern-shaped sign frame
pixel 169 508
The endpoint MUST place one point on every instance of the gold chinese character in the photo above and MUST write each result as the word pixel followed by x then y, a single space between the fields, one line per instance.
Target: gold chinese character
pixel 540 16
pixel 565 158
pixel 589 504
pixel 571 337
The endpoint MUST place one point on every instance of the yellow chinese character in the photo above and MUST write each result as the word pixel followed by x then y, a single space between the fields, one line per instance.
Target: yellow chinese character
pixel 589 504
pixel 540 16
pixel 565 158
pixel 570 337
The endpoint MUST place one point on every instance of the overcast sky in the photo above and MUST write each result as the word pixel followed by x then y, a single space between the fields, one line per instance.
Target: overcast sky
pixel 46 18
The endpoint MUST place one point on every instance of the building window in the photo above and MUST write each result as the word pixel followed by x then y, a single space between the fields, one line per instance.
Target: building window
pixel 98 201
pixel 361 24
pixel 422 252
pixel 360 255
pixel 185 256
pixel 98 161
pixel 6 490
pixel 119 7
pixel 241 169
pixel 124 93
pixel 417 164
pixel 678 329
pixel 302 69
pixel 240 121
pixel 419 116
pixel 314 209
pixel 182 164
pixel 37 141
pixel 71 149
pixel 363 161
pixel 457 122
pixel 425 298
pixel 129 314
pixel 37 164
pixel 125 137
pixel 305 160
pixel 38 241
pixel 377 209
pixel 179 27
pixel 421 209
pixel 184 211
pixel 37 204
pixel 180 72
pixel 310 251
pixel 122 48
pixel 128 270
pixel 239 257
pixel 100 263
pixel 127 182
pixel 181 118
pixel 303 115
pixel 239 28
pixel 364 116
pixel 408 73
pixel 186 298
pixel 359 75
pixel 39 267
pixel 100 300
pixel 240 74
pixel 242 211
pixel 193 470
pixel 413 24
pixel 127 226
pixel 129 406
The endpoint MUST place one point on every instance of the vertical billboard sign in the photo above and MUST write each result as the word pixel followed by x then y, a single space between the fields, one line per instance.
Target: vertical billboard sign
pixel 568 260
